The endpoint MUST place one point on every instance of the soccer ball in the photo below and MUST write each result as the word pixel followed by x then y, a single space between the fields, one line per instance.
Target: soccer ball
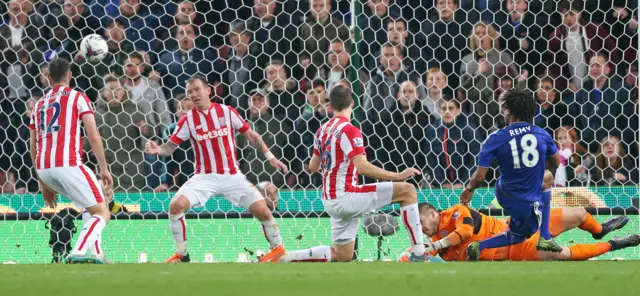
pixel 94 48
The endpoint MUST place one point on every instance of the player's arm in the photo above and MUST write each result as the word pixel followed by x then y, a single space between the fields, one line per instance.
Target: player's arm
pixel 463 232
pixel 552 154
pixel 32 148
pixel 255 140
pixel 180 134
pixel 314 164
pixel 352 144
pixel 366 168
pixel 165 149
pixel 485 158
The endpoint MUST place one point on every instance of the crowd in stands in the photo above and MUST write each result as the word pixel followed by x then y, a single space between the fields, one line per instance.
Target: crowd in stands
pixel 428 77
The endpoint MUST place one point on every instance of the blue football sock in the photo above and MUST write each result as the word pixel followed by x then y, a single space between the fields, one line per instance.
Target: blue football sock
pixel 546 212
pixel 505 239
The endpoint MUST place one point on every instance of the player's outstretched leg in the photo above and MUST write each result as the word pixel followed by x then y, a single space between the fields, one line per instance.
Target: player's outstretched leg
pixel 546 242
pixel 90 235
pixel 587 251
pixel 568 218
pixel 178 224
pixel 507 238
pixel 405 194
pixel 271 230
pixel 609 226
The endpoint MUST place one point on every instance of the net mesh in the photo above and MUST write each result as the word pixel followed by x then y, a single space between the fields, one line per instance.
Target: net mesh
pixel 426 76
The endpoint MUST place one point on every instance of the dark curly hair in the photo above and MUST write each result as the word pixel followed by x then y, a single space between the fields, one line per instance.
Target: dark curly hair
pixel 520 104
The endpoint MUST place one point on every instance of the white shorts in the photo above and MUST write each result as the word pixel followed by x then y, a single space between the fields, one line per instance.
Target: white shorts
pixel 79 184
pixel 346 210
pixel 234 188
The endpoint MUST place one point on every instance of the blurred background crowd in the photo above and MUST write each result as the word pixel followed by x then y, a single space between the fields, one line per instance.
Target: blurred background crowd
pixel 426 74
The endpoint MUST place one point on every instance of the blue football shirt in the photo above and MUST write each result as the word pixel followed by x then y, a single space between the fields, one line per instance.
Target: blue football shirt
pixel 521 150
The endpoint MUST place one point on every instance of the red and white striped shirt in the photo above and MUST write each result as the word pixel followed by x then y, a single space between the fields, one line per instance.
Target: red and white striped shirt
pixel 56 118
pixel 337 142
pixel 212 134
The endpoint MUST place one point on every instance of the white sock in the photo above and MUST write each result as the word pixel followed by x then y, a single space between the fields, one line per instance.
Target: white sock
pixel 179 231
pixel 411 219
pixel 89 235
pixel 272 232
pixel 95 249
pixel 315 254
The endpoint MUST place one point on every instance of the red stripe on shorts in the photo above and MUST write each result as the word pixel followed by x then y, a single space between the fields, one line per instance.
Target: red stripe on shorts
pixel 94 188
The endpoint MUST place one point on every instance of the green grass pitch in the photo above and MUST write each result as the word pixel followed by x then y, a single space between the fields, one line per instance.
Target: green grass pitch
pixel 609 278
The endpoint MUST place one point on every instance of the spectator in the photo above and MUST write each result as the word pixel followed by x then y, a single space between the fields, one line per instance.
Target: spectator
pixel 385 83
pixel 19 32
pixel 92 74
pixel 20 158
pixel 480 10
pixel 186 14
pixel 186 60
pixel 451 145
pixel 338 65
pixel 486 59
pixel 482 71
pixel 400 131
pixel 598 104
pixel 146 94
pixel 446 38
pixel 139 23
pixel 573 158
pixel 613 166
pixel 242 71
pixel 17 38
pixel 81 21
pixel 316 34
pixel 315 113
pixel 573 44
pixel 282 93
pixel 274 134
pixel 177 167
pixel 373 21
pixel 272 33
pixel 58 44
pixel 117 118
pixel 397 34
pixel 435 84
pixel 630 133
pixel 521 31
pixel 628 43
pixel 553 113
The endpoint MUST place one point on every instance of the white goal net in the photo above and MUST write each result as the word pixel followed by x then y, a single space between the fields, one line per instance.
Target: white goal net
pixel 426 76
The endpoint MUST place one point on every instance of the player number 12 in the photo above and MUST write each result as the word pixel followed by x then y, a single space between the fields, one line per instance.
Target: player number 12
pixel 530 155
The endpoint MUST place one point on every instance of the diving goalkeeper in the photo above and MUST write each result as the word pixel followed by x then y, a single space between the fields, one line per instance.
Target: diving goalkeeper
pixel 453 229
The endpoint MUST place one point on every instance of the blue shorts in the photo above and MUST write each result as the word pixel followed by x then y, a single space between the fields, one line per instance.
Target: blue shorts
pixel 525 216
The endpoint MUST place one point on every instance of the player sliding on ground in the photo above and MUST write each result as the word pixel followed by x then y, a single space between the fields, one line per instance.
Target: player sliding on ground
pixel 339 154
pixel 453 229
pixel 211 127
pixel 56 149
pixel 520 149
